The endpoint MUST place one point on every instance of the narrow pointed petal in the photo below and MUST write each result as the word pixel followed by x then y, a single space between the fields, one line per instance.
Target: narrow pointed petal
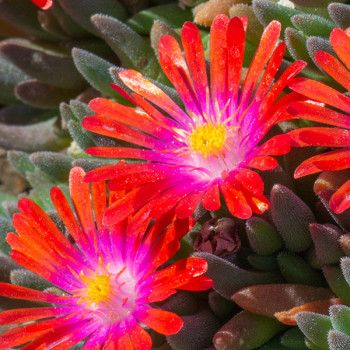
pixel 340 200
pixel 341 45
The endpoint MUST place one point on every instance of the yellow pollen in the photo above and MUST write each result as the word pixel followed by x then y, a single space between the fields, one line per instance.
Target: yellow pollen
pixel 98 286
pixel 209 139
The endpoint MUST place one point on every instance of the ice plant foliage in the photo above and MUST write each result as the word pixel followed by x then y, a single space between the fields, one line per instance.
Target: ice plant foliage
pixel 107 280
pixel 44 4
pixel 324 136
pixel 208 149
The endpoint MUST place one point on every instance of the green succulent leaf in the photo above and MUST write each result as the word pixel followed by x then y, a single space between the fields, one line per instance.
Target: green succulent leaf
pixel 131 48
pixel 95 70
pixel 4 198
pixel 315 327
pixel 296 270
pixel 28 279
pixel 82 10
pixel 10 76
pixel 313 25
pixel 291 217
pixel 337 282
pixel 55 165
pixel 229 278
pixel 294 339
pixel 47 63
pixel 23 15
pixel 246 331
pixel 338 341
pixel 31 138
pixel 5 228
pixel 267 11
pixel 340 318
pixel 171 14
pixel 263 237
pixel 263 262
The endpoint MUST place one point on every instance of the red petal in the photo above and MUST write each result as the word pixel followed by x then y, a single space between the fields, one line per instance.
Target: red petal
pixel 187 205
pixel 320 136
pixel 340 200
pixel 140 339
pixel 316 113
pixel 192 44
pixel 262 55
pixel 334 68
pixel 235 200
pixel 175 67
pixel 263 163
pixel 321 92
pixel 211 198
pixel 218 61
pixel 235 54
pixel 341 45
pixel 44 4
pixel 163 322
pixel 198 283
pixel 32 314
pixel 250 180
pixel 18 292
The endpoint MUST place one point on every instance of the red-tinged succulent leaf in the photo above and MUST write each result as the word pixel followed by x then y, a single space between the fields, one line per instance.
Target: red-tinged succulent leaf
pixel 331 180
pixel 271 298
pixel 163 322
pixel 319 307
pixel 340 200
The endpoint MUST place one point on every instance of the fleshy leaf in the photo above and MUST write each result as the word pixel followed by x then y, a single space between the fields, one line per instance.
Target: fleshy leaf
pixel 337 282
pixel 268 299
pixel 313 25
pixel 340 318
pixel 263 237
pixel 229 278
pixel 203 324
pixel 246 331
pixel 338 340
pixel 340 14
pixel 291 217
pixel 315 327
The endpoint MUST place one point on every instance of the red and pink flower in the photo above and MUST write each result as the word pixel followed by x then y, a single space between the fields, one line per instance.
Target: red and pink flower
pixel 107 281
pixel 338 159
pixel 208 149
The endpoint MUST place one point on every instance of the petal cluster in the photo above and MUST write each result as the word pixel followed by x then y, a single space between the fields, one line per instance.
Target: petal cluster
pixel 207 148
pixel 338 159
pixel 105 282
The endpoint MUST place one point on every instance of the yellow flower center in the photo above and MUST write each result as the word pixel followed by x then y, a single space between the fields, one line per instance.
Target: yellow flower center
pixel 208 139
pixel 98 286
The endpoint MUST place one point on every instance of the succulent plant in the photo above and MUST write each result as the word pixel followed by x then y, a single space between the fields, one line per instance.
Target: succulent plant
pixel 281 279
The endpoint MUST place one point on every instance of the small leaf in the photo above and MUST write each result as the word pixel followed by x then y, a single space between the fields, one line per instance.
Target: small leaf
pixel 263 262
pixel 294 339
pixel 268 299
pixel 131 48
pixel 49 64
pixel 340 318
pixel 229 278
pixel 291 217
pixel 338 341
pixel 203 324
pixel 263 237
pixel 315 327
pixel 23 15
pixel 337 282
pixel 340 14
pixel 96 71
pixel 25 278
pixel 32 138
pixel 5 228
pixel 267 11
pixel 10 76
pixel 82 10
pixel 296 270
pixel 171 14
pixel 56 165
pixel 313 25
pixel 246 331
pixel 41 95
